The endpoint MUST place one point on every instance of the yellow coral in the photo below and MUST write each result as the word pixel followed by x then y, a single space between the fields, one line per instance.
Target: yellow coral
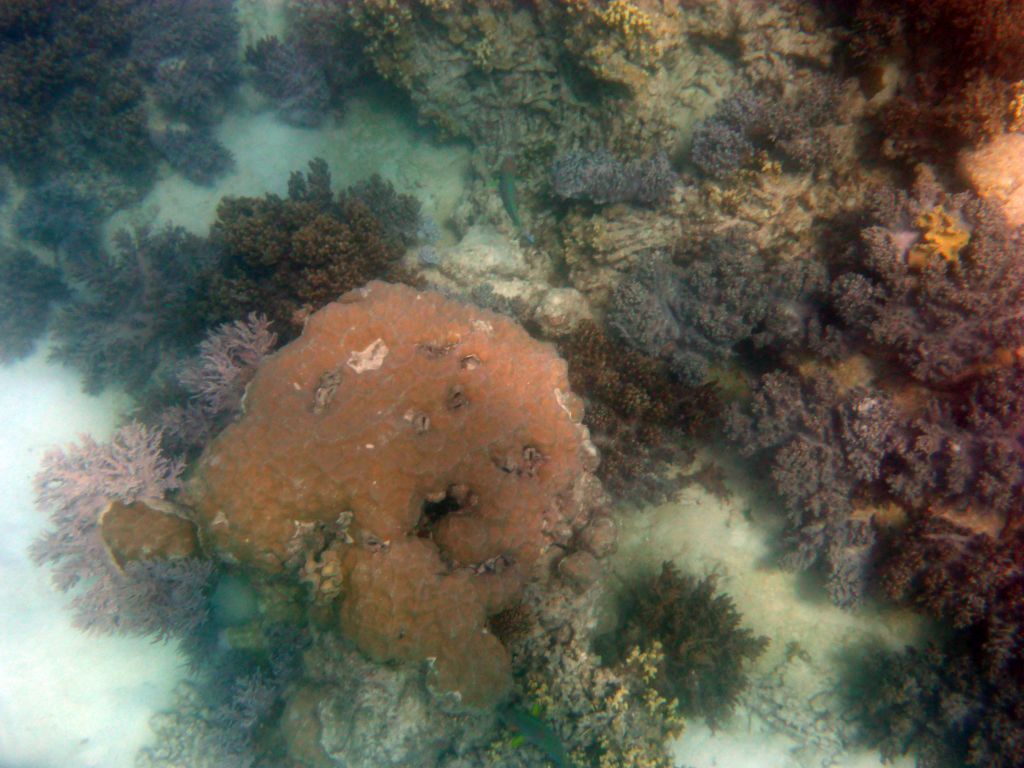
pixel 623 16
pixel 1017 107
pixel 940 237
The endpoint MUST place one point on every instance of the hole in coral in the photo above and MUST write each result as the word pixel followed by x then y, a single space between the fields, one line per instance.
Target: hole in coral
pixel 437 507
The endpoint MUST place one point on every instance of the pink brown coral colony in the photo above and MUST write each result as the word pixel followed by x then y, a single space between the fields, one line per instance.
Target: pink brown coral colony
pixel 434 448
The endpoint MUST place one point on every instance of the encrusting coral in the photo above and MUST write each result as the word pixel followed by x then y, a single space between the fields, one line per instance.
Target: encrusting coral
pixel 440 440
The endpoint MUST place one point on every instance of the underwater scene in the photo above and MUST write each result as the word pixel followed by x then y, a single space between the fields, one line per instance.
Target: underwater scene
pixel 512 384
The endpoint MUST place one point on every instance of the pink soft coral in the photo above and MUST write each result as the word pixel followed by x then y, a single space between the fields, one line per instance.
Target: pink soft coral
pixel 75 485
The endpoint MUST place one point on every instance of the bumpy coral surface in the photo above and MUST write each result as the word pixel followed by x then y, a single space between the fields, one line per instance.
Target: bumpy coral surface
pixel 445 438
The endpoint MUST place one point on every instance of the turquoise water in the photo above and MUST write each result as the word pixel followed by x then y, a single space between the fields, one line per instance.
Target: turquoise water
pixel 457 384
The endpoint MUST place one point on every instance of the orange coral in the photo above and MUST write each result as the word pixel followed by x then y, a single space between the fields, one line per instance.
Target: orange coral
pixel 942 236
pixel 140 531
pixel 445 438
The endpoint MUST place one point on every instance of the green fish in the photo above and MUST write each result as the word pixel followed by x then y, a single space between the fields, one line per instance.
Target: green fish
pixel 534 731
pixel 507 190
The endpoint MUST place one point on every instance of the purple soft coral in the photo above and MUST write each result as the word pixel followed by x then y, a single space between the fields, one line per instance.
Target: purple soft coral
pixel 227 360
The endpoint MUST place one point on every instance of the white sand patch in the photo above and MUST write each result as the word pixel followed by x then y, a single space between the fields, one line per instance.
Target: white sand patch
pixel 374 135
pixel 67 700
pixel 702 534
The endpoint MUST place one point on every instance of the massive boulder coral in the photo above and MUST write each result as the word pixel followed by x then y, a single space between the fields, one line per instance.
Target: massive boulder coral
pixel 421 458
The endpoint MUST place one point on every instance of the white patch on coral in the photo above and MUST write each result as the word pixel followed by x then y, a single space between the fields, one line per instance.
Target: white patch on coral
pixel 369 359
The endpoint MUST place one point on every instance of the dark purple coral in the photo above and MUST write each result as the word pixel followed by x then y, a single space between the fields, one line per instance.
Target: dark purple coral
pixel 602 179
pixel 69 97
pixel 707 653
pixel 188 50
pixel 938 704
pixel 28 291
pixel 963 451
pixel 696 314
pixel 287 257
pixel 939 310
pixel 195 153
pixel 284 73
pixel 61 216
pixel 133 307
pixel 822 446
pixel 791 128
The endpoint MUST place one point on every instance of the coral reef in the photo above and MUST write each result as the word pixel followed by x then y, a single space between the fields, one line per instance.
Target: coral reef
pixel 458 489
pixel 791 129
pixel 28 291
pixel 288 257
pixel 398 215
pixel 78 487
pixel 60 216
pixel 350 710
pixel 959 65
pixel 70 99
pixel 221 718
pixel 189 52
pixel 133 307
pixel 995 171
pixel 600 250
pixel 194 153
pixel 600 178
pixel 936 703
pixel 939 285
pixel 74 80
pixel 696 314
pixel 285 74
pixel 823 445
pixel 227 360
pixel 703 654
pixel 214 381
pixel 533 82
pixel 607 714
pixel 639 416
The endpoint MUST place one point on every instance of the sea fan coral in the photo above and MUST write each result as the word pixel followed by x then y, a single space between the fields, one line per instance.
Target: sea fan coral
pixel 77 486
pixel 437 445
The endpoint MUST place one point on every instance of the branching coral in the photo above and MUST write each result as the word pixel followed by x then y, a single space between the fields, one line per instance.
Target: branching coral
pixel 194 153
pixel 963 60
pixel 939 293
pixel 188 50
pixel 823 446
pixel 284 73
pixel 937 704
pixel 792 129
pixel 133 307
pixel 288 257
pixel 696 315
pixel 28 291
pixel 69 98
pixel 703 651
pixel 600 178
pixel 638 414
pixel 80 486
pixel 447 440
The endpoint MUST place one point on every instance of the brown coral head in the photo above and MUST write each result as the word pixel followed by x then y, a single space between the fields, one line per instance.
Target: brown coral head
pixel 452 438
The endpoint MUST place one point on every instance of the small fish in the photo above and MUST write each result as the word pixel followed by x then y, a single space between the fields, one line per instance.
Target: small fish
pixel 534 731
pixel 507 190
